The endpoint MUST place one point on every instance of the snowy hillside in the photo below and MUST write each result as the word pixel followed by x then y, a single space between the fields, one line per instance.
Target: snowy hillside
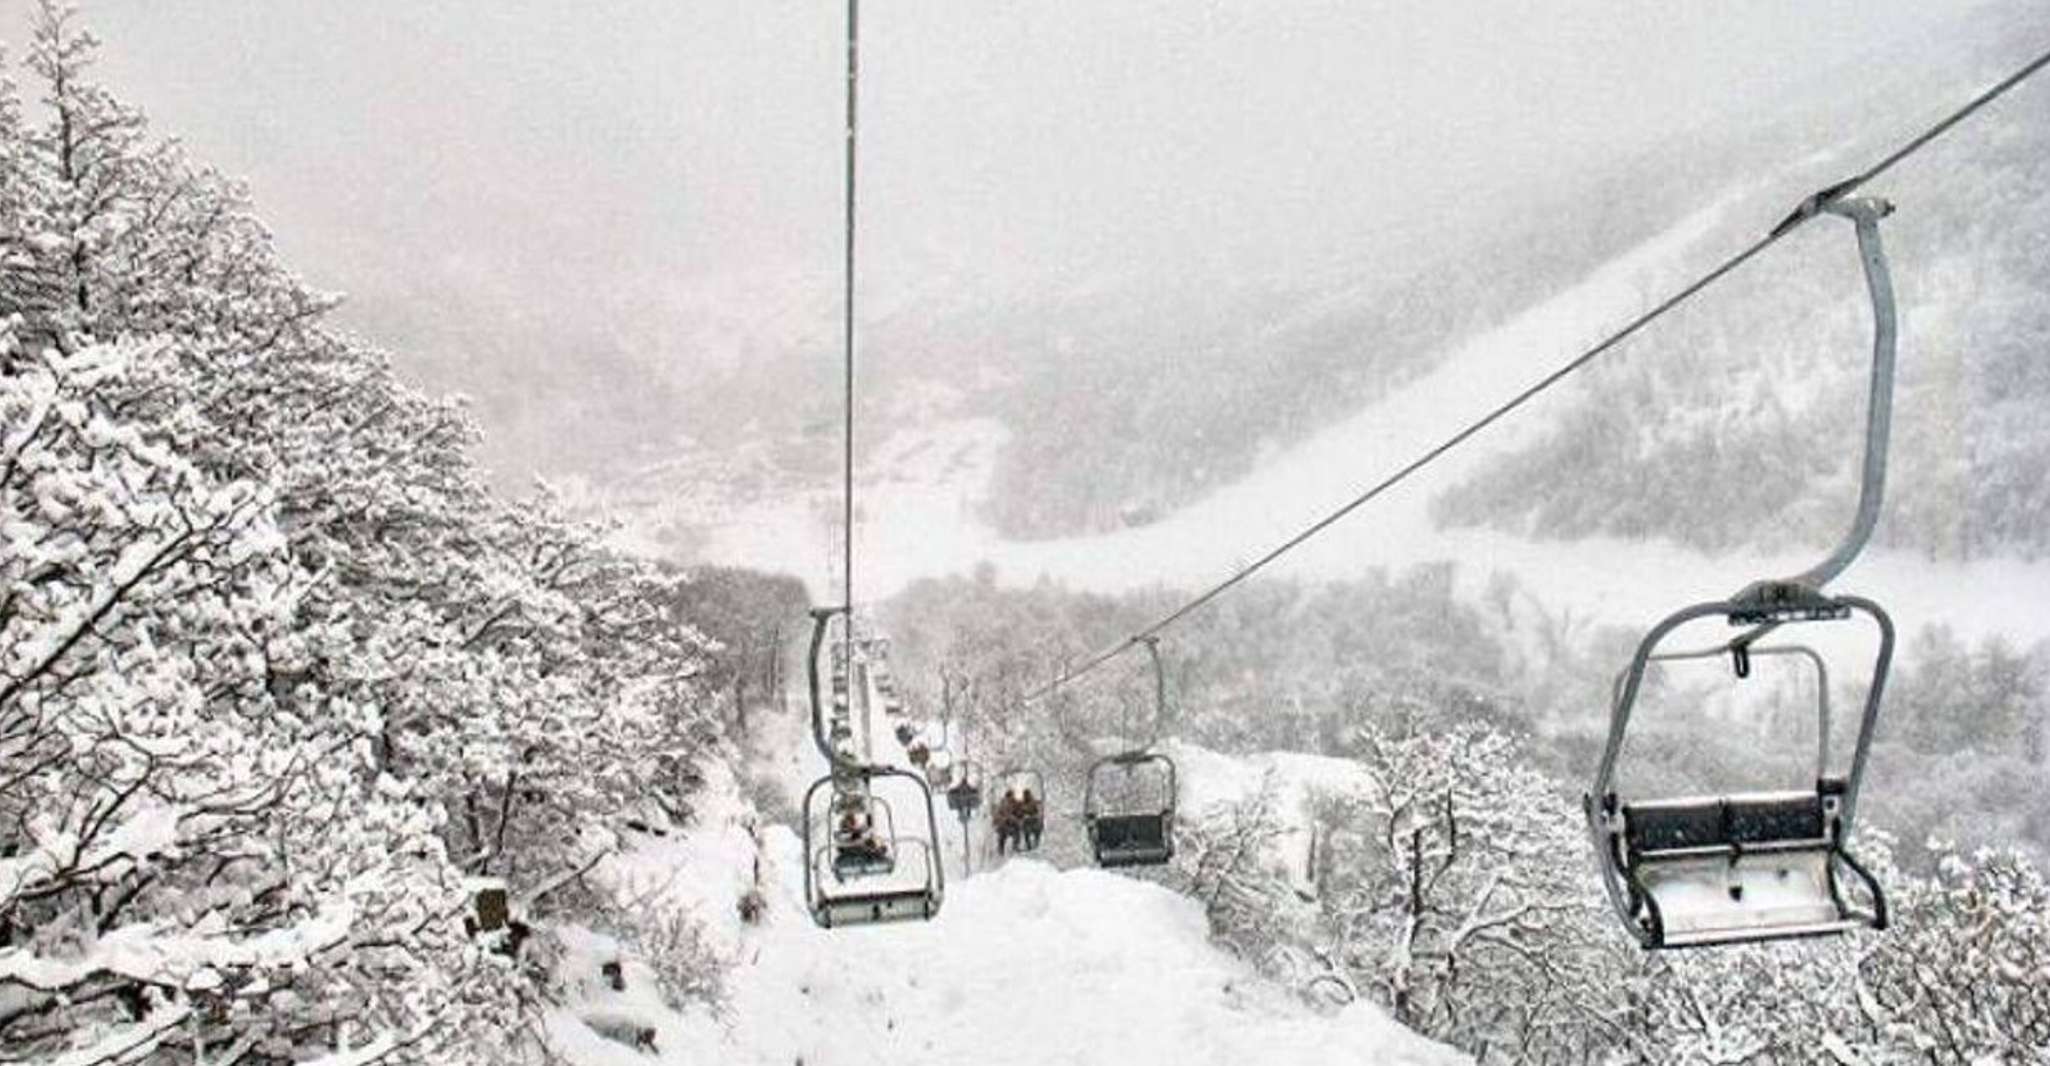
pixel 911 529
pixel 1026 964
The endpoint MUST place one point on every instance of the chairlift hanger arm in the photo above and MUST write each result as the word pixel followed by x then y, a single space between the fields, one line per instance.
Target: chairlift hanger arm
pixel 1152 642
pixel 821 620
pixel 1864 214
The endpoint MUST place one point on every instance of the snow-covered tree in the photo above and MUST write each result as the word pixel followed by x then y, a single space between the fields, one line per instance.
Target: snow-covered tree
pixel 279 676
pixel 1958 978
pixel 1455 889
pixel 1228 855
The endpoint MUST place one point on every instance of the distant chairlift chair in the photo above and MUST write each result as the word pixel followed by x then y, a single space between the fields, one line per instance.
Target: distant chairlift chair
pixel 1016 784
pixel 1123 831
pixel 964 796
pixel 1755 866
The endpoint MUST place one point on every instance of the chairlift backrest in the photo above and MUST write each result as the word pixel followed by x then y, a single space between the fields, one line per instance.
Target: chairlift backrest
pixel 1120 772
pixel 1129 833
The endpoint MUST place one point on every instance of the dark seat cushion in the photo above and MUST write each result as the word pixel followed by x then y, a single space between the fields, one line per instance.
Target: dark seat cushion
pixel 1728 820
pixel 1767 819
pixel 1128 830
pixel 1664 826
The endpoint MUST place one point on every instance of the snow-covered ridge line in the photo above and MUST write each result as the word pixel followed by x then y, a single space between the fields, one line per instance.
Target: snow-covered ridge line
pixel 913 528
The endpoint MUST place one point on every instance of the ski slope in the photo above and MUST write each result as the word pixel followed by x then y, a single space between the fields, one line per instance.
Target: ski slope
pixel 919 522
pixel 1025 965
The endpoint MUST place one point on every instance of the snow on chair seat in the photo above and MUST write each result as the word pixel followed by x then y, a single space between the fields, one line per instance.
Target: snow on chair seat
pixel 909 893
pixel 1715 900
pixel 875 909
pixel 1752 866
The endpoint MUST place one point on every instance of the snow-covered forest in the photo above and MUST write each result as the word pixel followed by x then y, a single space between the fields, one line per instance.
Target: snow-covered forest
pixel 318 745
pixel 1424 850
pixel 285 692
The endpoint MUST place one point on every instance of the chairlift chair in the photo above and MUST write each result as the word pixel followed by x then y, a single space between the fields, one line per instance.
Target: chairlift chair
pixel 1744 867
pixel 845 883
pixel 1701 870
pixel 908 887
pixel 1123 832
pixel 964 795
pixel 1014 784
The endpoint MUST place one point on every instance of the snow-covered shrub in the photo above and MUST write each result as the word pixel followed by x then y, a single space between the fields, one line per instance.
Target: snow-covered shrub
pixel 1965 974
pixel 766 795
pixel 688 967
pixel 1456 891
pixel 183 850
pixel 1228 855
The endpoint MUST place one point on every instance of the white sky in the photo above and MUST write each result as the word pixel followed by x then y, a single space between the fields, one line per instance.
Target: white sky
pixel 509 187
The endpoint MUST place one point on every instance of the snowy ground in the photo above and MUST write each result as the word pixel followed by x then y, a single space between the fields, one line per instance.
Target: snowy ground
pixel 922 525
pixel 1026 964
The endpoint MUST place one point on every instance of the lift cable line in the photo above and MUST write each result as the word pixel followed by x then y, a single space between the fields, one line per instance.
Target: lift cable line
pixel 847 303
pixel 1810 207
pixel 861 867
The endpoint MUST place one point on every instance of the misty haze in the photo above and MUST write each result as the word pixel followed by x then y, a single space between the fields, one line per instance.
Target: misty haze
pixel 1372 525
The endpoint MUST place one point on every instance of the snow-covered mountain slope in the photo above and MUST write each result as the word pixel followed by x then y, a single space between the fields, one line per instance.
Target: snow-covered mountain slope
pixel 1026 964
pixel 910 528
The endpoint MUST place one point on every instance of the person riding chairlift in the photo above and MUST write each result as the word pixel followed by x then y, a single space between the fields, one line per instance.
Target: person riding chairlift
pixel 1030 821
pixel 856 838
pixel 1007 821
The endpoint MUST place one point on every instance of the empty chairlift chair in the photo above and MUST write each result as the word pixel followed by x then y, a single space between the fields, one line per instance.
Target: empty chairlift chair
pixel 1700 870
pixel 1128 809
pixel 1754 866
pixel 964 794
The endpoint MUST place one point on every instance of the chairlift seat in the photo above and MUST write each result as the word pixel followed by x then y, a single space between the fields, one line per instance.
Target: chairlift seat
pixel 1131 839
pixel 861 854
pixel 873 908
pixel 1750 866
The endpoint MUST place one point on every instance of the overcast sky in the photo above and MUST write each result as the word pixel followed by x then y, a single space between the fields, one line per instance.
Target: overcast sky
pixel 509 186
